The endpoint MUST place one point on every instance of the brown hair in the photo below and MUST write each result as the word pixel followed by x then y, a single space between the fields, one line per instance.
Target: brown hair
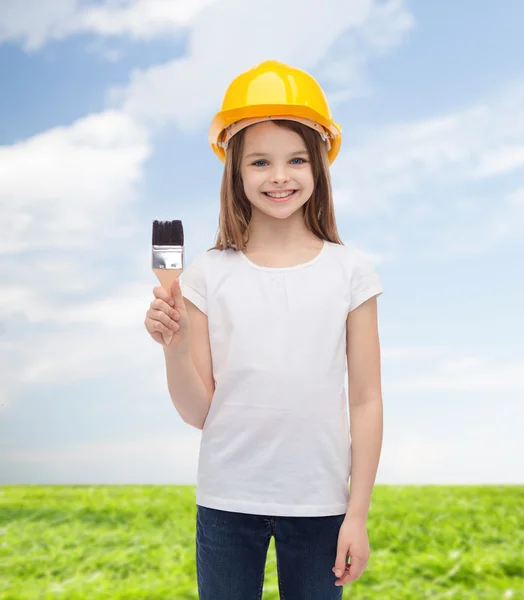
pixel 235 208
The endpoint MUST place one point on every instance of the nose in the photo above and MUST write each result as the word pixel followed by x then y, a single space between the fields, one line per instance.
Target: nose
pixel 279 175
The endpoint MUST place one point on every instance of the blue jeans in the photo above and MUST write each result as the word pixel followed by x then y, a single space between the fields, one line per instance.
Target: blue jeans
pixel 231 550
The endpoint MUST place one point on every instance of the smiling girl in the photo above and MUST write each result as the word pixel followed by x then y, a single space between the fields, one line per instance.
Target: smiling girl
pixel 271 319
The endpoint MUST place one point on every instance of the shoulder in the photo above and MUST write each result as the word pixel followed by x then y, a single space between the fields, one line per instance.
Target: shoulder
pixel 216 258
pixel 353 258
pixel 208 262
pixel 206 256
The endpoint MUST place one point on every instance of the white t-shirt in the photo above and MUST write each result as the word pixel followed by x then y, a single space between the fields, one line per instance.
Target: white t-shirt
pixel 276 440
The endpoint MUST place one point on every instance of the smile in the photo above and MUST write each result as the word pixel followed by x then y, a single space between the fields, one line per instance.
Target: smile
pixel 280 197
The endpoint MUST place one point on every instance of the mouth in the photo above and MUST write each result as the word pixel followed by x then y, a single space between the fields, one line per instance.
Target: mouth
pixel 281 197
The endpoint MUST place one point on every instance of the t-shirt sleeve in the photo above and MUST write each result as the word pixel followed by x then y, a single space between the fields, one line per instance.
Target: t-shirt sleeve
pixel 193 282
pixel 365 282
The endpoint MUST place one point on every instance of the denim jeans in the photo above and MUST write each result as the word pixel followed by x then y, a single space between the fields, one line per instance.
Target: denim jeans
pixel 231 550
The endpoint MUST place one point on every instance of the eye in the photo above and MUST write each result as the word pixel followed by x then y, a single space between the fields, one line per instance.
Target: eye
pixel 263 161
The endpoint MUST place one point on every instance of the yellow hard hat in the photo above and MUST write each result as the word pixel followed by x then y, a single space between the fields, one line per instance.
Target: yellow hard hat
pixel 271 90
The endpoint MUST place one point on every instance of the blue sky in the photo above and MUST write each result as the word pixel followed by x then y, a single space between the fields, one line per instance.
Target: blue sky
pixel 104 110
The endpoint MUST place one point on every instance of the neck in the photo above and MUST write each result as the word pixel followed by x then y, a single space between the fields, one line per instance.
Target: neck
pixel 278 234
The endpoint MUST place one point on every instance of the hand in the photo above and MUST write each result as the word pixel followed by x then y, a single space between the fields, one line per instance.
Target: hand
pixel 166 320
pixel 353 542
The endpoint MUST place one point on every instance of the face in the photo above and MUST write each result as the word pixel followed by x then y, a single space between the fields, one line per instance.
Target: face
pixel 275 160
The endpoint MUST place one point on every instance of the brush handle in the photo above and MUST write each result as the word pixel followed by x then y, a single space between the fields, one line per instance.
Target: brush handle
pixel 166 277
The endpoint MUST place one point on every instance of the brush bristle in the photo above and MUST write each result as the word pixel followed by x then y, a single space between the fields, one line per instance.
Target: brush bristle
pixel 168 233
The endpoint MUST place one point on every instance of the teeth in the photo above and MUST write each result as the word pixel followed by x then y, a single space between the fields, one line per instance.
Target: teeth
pixel 281 195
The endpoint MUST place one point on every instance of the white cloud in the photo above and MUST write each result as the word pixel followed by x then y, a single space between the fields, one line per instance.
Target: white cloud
pixel 97 339
pixel 414 353
pixel 383 27
pixel 116 311
pixel 188 90
pixel 476 227
pixel 67 200
pixel 474 457
pixel 430 171
pixel 414 455
pixel 463 374
pixel 140 19
pixel 143 460
pixel 34 24
pixel 500 161
pixel 397 160
pixel 387 24
pixel 65 188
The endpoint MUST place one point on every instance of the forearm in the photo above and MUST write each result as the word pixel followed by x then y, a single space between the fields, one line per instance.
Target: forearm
pixel 366 424
pixel 186 388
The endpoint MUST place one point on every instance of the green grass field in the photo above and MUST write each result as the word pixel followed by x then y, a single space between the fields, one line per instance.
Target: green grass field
pixel 127 542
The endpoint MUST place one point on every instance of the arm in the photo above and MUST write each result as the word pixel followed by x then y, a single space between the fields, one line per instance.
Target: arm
pixel 190 376
pixel 365 404
pixel 186 389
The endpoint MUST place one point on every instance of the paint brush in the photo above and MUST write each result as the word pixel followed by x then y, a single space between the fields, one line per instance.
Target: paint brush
pixel 167 255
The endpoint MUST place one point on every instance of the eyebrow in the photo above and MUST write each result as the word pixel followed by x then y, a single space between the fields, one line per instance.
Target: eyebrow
pixel 253 154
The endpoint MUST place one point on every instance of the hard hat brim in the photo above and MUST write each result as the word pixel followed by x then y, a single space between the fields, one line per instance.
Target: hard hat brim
pixel 226 117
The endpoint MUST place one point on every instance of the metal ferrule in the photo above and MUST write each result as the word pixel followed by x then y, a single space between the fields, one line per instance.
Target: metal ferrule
pixel 167 257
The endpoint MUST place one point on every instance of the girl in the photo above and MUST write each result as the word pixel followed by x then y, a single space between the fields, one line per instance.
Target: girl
pixel 279 309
